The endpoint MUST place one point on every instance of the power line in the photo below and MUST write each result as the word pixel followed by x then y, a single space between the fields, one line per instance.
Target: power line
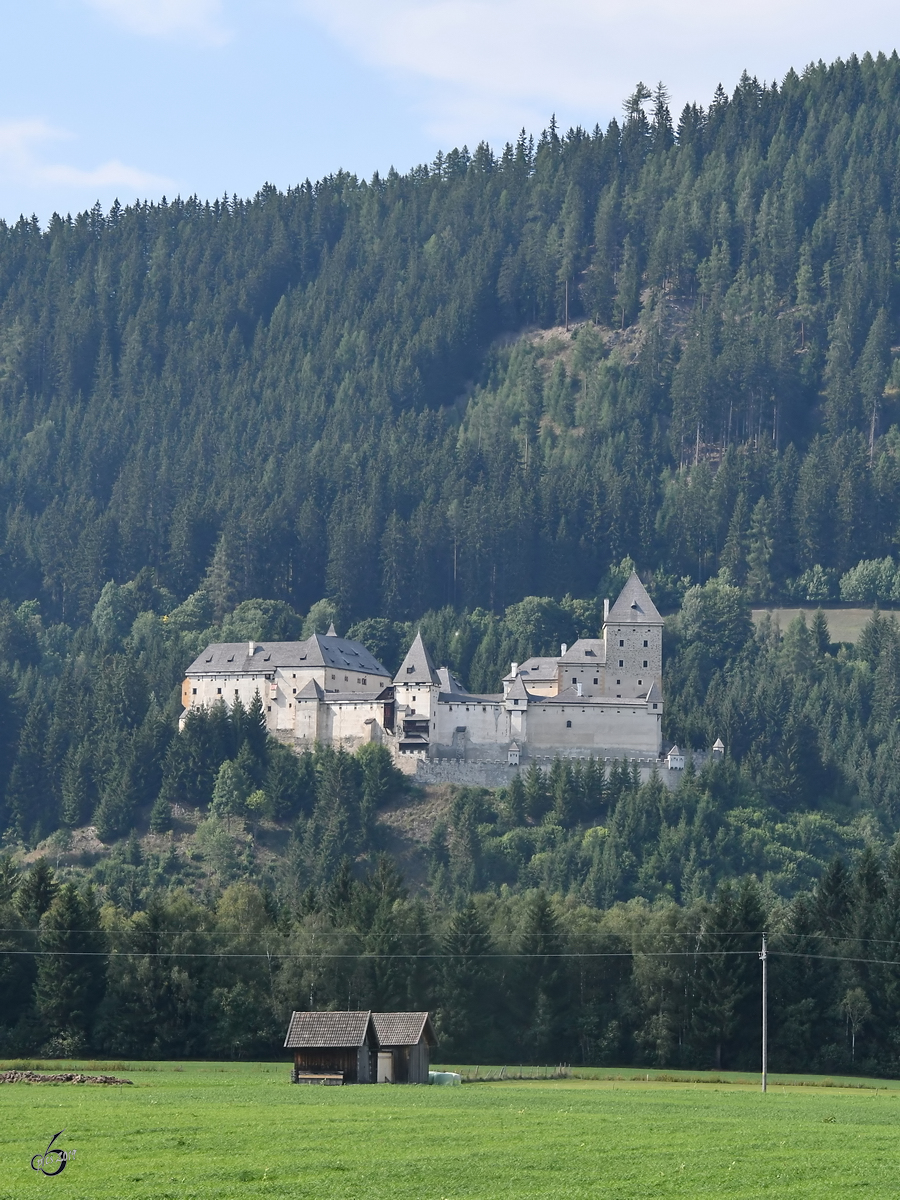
pixel 412 956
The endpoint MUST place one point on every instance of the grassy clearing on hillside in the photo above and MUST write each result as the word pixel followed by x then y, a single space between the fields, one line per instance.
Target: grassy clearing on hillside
pixel 241 1130
pixel 844 624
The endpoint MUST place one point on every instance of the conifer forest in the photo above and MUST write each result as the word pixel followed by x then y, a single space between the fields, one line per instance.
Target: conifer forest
pixel 467 399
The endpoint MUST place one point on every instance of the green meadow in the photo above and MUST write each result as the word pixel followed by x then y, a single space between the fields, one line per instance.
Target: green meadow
pixel 242 1130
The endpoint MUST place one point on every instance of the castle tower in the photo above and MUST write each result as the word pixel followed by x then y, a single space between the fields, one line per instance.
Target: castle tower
pixel 417 683
pixel 632 631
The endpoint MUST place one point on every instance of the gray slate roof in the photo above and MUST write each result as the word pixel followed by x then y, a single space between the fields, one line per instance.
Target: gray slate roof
pixel 233 658
pixel 634 606
pixel 518 690
pixel 450 685
pixel 336 1029
pixel 403 1028
pixel 543 670
pixel 417 667
pixel 591 651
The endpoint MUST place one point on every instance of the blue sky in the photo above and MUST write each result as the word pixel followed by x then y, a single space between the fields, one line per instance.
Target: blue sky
pixel 105 99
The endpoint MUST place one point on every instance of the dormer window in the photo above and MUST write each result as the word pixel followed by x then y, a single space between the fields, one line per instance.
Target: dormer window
pixel 410 670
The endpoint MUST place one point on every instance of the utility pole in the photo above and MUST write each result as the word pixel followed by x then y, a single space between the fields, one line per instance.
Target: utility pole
pixel 763 954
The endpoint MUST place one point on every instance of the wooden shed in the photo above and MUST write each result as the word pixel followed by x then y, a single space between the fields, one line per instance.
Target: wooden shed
pixel 405 1041
pixel 332 1047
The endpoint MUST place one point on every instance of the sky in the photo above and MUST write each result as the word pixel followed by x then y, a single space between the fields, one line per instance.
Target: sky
pixel 127 99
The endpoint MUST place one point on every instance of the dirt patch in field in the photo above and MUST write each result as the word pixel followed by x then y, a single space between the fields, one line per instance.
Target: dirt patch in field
pixel 58 1077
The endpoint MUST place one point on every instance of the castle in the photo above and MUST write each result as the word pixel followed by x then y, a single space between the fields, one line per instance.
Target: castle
pixel 601 696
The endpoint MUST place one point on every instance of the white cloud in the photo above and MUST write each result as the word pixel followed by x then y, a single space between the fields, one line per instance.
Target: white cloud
pixel 198 19
pixel 22 163
pixel 489 62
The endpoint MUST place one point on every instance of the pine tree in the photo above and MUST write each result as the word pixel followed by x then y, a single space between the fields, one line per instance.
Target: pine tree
pixel 71 972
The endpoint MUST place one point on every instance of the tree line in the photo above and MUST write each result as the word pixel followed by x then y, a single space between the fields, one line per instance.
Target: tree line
pixel 509 978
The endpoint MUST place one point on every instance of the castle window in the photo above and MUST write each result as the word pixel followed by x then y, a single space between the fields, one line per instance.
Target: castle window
pixel 621 641
pixel 596 681
pixel 332 677
pixel 195 691
pixel 574 680
pixel 363 681
pixel 218 691
pixel 645 644
pixel 640 683
pixel 621 663
pixel 619 682
pixel 269 709
pixel 346 679
pixel 654 706
pixel 294 691
pixel 514 702
pixel 235 691
pixel 484 708
pixel 568 724
pixel 293 677
pixel 645 662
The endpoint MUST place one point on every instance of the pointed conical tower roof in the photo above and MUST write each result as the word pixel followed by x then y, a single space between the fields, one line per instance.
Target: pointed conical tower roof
pixel 634 606
pixel 332 632
pixel 417 667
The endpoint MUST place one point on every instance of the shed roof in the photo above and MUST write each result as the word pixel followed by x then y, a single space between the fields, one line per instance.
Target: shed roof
pixel 634 606
pixel 403 1028
pixel 336 1029
pixel 450 685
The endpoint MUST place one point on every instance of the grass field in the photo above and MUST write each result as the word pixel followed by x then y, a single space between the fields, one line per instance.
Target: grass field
pixel 241 1130
pixel 844 624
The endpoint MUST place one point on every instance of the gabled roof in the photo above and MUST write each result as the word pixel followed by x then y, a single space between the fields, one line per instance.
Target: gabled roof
pixel 320 650
pixel 403 1028
pixel 586 650
pixel 417 667
pixel 337 1029
pixel 634 606
pixel 654 695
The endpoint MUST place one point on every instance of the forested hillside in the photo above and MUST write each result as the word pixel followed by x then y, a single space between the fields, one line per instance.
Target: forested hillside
pixel 360 401
pixel 309 393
